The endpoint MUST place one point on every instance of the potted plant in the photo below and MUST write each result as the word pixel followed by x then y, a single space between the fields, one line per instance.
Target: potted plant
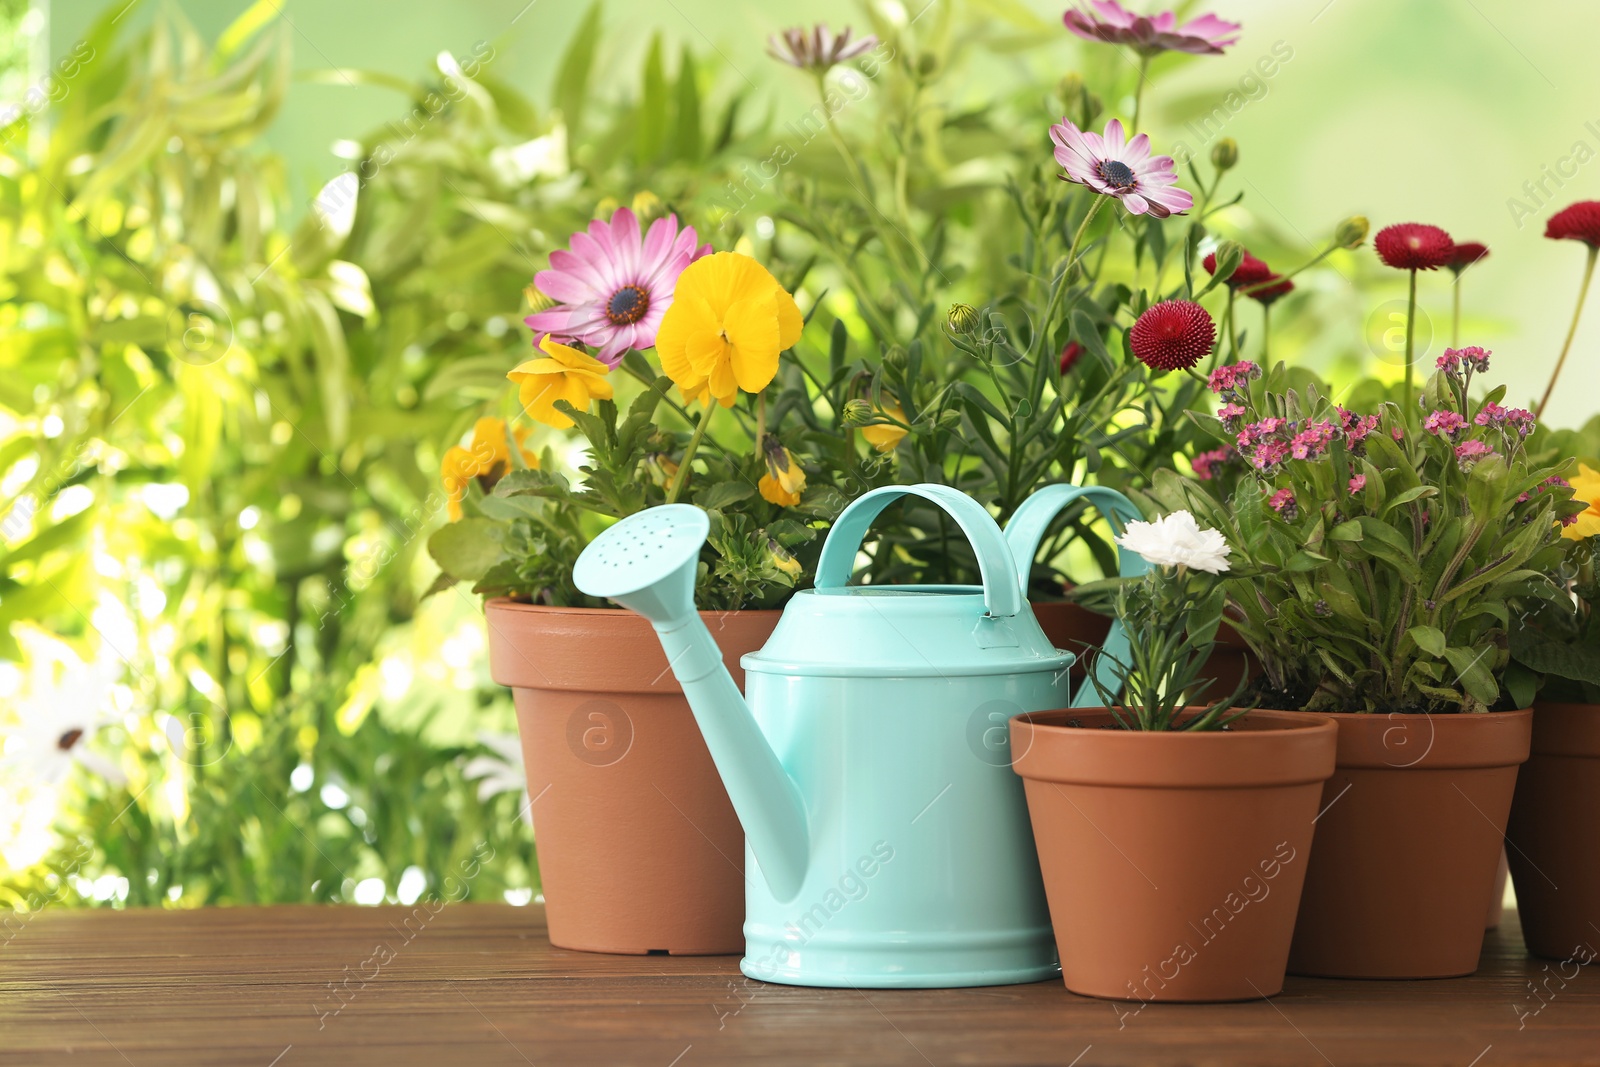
pixel 1388 554
pixel 1195 819
pixel 1555 815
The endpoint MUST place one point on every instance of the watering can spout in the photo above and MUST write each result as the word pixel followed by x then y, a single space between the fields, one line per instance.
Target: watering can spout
pixel 647 564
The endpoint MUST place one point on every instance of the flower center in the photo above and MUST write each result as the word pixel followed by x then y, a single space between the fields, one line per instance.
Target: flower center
pixel 1117 174
pixel 627 305
pixel 68 739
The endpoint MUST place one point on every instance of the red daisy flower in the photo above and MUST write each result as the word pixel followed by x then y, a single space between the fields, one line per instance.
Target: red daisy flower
pixel 1268 294
pixel 1580 222
pixel 1413 246
pixel 1173 335
pixel 1464 254
pixel 1069 355
pixel 1250 271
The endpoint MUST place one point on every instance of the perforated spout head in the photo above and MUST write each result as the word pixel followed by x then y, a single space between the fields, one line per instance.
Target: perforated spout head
pixel 647 562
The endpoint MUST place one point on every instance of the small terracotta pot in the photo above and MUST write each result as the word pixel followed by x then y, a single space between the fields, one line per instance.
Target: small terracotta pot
pixel 639 848
pixel 1173 861
pixel 1407 844
pixel 1072 627
pixel 1553 838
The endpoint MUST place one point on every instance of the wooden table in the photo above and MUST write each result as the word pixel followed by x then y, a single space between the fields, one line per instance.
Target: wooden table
pixel 479 984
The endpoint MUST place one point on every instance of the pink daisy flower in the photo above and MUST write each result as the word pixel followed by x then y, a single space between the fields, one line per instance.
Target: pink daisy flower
pixel 819 49
pixel 1111 23
pixel 1112 165
pixel 614 286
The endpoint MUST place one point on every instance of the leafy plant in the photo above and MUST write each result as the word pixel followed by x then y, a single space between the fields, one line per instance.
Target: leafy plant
pixel 1386 564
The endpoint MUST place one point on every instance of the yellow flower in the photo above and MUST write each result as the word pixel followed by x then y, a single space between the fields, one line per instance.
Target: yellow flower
pixel 563 373
pixel 884 436
pixel 1585 490
pixel 728 321
pixel 782 559
pixel 487 459
pixel 784 481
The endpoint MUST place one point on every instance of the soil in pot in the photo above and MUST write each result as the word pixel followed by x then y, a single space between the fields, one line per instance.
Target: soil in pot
pixel 1553 838
pixel 1407 845
pixel 1173 862
pixel 639 848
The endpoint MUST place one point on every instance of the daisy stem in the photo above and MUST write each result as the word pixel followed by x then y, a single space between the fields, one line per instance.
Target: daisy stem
pixel 1411 322
pixel 1138 93
pixel 1455 313
pixel 1266 333
pixel 1061 287
pixel 1233 335
pixel 1572 331
pixel 682 476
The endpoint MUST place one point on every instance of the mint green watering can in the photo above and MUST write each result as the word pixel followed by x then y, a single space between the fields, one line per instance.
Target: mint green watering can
pixel 887 838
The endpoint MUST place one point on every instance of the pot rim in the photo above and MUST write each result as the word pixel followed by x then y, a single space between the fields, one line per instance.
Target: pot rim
pixel 506 603
pixel 1293 748
pixel 1457 741
pixel 1566 729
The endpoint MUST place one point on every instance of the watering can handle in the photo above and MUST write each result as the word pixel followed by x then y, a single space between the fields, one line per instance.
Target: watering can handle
pixel 1002 593
pixel 1026 529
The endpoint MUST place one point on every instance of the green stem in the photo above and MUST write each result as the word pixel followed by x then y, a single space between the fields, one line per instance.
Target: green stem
pixel 1138 94
pixel 1233 335
pixel 1266 334
pixel 1455 313
pixel 1407 411
pixel 682 476
pixel 1572 331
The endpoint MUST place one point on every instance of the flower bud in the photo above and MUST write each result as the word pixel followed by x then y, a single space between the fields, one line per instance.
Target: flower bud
pixel 1352 232
pixel 963 319
pixel 537 301
pixel 1229 255
pixel 1225 154
pixel 646 205
pixel 856 413
pixel 1071 88
pixel 895 358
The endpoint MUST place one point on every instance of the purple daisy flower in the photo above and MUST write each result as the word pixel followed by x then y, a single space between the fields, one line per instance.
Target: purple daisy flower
pixel 819 49
pixel 1115 166
pixel 613 285
pixel 1111 23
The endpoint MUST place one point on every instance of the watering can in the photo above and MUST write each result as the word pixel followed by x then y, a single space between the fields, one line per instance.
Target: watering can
pixel 887 838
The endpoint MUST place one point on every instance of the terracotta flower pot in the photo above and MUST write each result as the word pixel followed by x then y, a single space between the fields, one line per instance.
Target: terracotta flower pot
pixel 1173 861
pixel 1407 845
pixel 1071 627
pixel 1553 837
pixel 639 848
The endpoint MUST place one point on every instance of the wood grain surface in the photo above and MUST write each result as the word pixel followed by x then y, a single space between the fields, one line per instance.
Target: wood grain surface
pixel 480 984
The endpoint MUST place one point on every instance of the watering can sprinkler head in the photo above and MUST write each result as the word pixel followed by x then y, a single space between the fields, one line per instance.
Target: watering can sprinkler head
pixel 647 563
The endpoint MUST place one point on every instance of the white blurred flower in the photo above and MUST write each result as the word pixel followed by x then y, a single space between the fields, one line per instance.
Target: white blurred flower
pixel 502 772
pixel 57 717
pixel 1176 540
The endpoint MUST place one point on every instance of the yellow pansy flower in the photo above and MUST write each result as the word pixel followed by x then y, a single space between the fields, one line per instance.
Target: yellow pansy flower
pixel 487 458
pixel 563 373
pixel 884 436
pixel 728 322
pixel 782 559
pixel 784 481
pixel 1585 490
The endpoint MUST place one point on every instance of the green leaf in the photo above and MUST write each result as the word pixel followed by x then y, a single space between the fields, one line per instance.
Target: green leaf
pixel 722 494
pixel 1472 668
pixel 650 119
pixel 1087 334
pixel 686 137
pixel 1428 638
pixel 467 549
pixel 1576 662
pixel 571 90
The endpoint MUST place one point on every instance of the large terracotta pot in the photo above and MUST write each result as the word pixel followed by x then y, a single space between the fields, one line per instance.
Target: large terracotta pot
pixel 1407 845
pixel 1553 838
pixel 1071 627
pixel 639 848
pixel 1173 861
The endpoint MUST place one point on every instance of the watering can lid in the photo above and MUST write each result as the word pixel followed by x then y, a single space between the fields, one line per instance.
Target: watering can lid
pixel 904 630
